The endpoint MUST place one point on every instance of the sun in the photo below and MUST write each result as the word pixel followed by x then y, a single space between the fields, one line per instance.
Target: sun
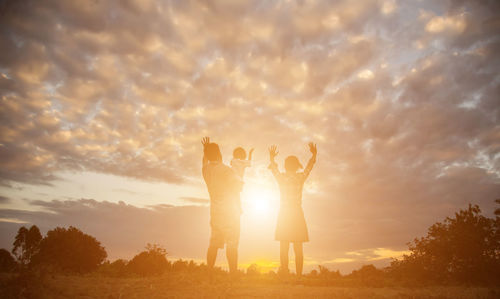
pixel 260 206
pixel 257 202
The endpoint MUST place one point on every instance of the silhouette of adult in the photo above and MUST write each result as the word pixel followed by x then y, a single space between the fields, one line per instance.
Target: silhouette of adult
pixel 224 187
pixel 291 227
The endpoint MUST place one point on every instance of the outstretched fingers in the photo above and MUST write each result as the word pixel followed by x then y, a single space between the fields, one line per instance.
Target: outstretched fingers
pixel 273 151
pixel 205 141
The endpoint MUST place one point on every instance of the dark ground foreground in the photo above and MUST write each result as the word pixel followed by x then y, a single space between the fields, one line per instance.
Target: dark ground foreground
pixel 185 286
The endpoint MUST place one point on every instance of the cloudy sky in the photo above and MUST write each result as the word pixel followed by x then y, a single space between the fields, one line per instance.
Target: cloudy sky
pixel 104 104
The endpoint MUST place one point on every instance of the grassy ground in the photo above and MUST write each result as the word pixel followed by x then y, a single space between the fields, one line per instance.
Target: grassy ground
pixel 185 286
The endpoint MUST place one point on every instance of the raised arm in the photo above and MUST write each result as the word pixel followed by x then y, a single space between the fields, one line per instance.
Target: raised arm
pixel 205 141
pixel 250 154
pixel 312 160
pixel 273 152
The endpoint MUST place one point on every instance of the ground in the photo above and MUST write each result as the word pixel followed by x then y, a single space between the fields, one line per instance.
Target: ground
pixel 183 285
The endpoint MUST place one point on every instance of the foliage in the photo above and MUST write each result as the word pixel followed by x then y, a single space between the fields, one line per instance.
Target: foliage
pixel 368 275
pixel 70 250
pixel 461 250
pixel 117 268
pixel 26 244
pixel 152 261
pixel 7 261
pixel 28 283
pixel 325 273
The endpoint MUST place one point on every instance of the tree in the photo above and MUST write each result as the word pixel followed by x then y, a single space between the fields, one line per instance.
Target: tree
pixel 70 250
pixel 26 244
pixel 7 261
pixel 463 249
pixel 152 261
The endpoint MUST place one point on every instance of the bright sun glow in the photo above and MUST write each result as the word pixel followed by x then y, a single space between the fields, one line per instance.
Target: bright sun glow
pixel 257 202
pixel 260 206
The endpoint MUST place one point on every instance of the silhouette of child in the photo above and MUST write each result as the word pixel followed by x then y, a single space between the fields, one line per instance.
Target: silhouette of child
pixel 238 163
pixel 291 227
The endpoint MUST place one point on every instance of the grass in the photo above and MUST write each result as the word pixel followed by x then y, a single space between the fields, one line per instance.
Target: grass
pixel 184 285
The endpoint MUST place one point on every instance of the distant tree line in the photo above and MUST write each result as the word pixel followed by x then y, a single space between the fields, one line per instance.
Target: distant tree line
pixel 61 250
pixel 461 250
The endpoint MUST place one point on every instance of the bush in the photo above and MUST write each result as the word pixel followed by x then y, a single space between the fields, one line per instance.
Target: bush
pixel 368 276
pixel 253 270
pixel 152 261
pixel 117 268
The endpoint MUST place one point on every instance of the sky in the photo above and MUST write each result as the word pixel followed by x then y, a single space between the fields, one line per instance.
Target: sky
pixel 104 104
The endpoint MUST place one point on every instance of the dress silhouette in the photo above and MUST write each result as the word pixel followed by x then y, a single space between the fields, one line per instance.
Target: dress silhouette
pixel 291 226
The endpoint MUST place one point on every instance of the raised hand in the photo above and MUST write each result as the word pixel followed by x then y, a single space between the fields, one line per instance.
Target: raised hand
pixel 250 154
pixel 313 149
pixel 273 152
pixel 205 141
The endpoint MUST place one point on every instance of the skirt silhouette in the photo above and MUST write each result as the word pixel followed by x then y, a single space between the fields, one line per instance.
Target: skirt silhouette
pixel 291 225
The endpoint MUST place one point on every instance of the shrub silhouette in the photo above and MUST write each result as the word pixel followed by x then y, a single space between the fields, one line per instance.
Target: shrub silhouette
pixel 253 270
pixel 26 244
pixel 368 275
pixel 70 250
pixel 152 261
pixel 117 268
pixel 460 250
pixel 7 261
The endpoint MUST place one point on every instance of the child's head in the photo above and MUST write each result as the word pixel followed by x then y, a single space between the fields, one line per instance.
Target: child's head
pixel 239 153
pixel 212 152
pixel 292 164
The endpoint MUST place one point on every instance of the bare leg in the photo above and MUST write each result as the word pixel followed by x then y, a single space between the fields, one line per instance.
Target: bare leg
pixel 211 256
pixel 284 246
pixel 299 257
pixel 232 259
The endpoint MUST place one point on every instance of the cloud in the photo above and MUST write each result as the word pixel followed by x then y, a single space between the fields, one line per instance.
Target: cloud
pixel 401 98
pixel 123 229
pixel 4 199
pixel 197 200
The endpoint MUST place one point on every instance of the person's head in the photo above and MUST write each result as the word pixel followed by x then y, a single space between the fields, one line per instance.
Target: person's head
pixel 292 164
pixel 239 153
pixel 212 152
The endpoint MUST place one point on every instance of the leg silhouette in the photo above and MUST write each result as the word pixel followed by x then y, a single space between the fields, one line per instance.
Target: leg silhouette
pixel 232 258
pixel 299 257
pixel 284 246
pixel 211 256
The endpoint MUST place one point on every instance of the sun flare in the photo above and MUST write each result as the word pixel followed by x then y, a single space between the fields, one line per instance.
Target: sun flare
pixel 258 202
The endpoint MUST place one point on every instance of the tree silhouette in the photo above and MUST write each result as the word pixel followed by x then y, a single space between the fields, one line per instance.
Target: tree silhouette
pixel 462 249
pixel 7 261
pixel 26 244
pixel 70 250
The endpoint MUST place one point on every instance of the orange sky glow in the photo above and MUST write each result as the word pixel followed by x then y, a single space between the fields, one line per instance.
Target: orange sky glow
pixel 104 104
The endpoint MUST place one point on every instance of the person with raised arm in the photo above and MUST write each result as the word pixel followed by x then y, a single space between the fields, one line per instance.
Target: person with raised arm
pixel 291 227
pixel 224 187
